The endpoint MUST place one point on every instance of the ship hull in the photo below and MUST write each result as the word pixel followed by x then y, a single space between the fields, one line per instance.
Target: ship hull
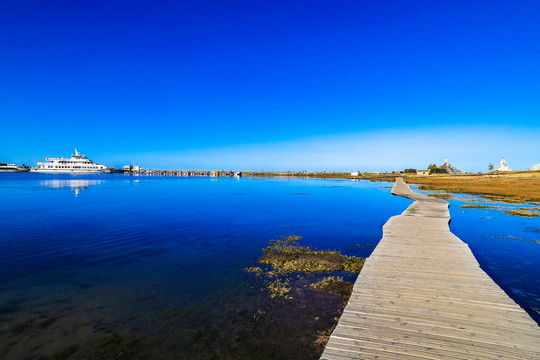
pixel 14 170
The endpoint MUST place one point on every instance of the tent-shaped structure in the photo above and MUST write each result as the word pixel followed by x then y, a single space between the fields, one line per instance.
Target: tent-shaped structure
pixel 449 168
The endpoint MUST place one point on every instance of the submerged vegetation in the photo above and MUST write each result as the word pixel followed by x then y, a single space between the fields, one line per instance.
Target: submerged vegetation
pixel 286 256
pixel 335 285
pixel 292 273
pixel 280 289
pixel 289 261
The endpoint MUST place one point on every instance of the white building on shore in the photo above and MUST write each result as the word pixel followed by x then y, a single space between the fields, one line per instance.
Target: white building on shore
pixel 503 166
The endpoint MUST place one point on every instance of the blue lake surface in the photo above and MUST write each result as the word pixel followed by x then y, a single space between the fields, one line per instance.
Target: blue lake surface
pixel 153 267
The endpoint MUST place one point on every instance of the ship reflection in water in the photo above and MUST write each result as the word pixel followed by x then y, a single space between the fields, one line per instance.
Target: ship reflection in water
pixel 76 185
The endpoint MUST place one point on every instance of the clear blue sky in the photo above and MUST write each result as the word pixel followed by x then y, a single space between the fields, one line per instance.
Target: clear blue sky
pixel 272 85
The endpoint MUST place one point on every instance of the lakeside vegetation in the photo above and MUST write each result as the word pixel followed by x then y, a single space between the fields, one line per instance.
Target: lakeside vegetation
pixel 510 187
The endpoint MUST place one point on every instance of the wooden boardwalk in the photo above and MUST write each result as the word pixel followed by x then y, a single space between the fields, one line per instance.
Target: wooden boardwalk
pixel 422 295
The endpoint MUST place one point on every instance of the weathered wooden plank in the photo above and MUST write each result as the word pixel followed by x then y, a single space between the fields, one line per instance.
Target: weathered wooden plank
pixel 422 295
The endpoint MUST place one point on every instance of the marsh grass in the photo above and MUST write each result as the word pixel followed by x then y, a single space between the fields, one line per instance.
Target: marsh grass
pixel 524 213
pixel 505 199
pixel 509 188
pixel 442 196
pixel 478 207
pixel 521 211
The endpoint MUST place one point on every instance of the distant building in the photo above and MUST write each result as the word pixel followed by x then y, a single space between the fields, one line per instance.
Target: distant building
pixel 450 169
pixel 535 167
pixel 503 166
pixel 422 172
pixel 127 167
pixel 354 173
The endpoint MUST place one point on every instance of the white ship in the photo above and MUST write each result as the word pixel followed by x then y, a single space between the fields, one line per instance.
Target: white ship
pixel 4 167
pixel 76 164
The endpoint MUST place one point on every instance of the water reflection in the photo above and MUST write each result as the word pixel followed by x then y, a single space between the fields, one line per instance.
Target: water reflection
pixel 76 185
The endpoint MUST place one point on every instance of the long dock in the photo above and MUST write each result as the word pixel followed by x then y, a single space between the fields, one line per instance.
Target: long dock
pixel 423 295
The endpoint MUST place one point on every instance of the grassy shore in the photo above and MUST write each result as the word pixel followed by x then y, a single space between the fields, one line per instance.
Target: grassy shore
pixel 514 186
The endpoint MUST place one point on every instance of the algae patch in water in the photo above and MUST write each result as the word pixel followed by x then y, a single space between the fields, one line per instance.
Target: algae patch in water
pixel 287 256
pixel 299 275
pixel 280 289
pixel 335 285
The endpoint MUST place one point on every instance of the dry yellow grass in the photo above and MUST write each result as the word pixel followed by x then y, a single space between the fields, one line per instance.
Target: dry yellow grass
pixel 510 187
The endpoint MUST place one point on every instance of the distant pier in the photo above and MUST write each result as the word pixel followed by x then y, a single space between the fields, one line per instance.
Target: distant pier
pixel 185 173
pixel 423 295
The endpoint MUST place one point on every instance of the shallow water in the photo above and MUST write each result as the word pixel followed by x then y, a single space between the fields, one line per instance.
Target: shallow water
pixel 118 266
pixel 506 246
pixel 96 264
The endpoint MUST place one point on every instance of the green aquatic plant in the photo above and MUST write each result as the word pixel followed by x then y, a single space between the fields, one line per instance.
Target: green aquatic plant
pixel 254 269
pixel 335 285
pixel 286 255
pixel 279 289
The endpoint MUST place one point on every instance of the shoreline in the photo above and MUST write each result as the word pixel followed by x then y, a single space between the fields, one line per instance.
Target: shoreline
pixel 514 186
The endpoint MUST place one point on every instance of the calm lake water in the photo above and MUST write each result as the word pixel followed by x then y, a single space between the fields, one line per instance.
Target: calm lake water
pixel 147 267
